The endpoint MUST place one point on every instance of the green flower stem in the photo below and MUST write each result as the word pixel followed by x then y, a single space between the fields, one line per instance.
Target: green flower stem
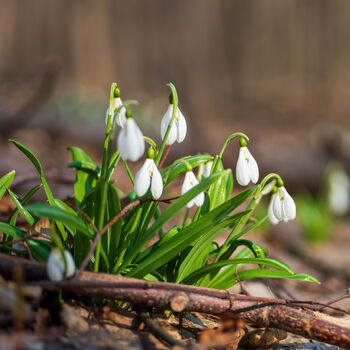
pixel 230 138
pixel 129 171
pixel 268 178
pixel 175 104
pixel 187 212
pixel 151 142
pixel 178 161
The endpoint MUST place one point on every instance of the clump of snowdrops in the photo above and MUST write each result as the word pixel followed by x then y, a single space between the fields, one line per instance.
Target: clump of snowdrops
pixel 98 233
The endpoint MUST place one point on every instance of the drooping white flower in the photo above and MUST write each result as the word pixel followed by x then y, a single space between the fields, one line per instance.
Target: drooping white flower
pixel 189 182
pixel 121 115
pixel 207 168
pixel 339 191
pixel 55 265
pixel 246 169
pixel 131 143
pixel 270 213
pixel 283 205
pixel 178 129
pixel 147 176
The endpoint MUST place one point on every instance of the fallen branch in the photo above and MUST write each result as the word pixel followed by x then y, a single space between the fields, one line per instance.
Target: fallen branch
pixel 264 312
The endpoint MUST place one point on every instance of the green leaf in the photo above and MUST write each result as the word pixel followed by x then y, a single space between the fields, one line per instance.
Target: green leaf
pixel 57 214
pixel 171 211
pixel 11 230
pixel 197 256
pixel 215 267
pixel 86 173
pixel 114 208
pixel 170 173
pixel 20 207
pixel 29 155
pixel 5 182
pixel 183 239
pixel 40 249
pixel 264 273
pixel 220 190
pixel 13 218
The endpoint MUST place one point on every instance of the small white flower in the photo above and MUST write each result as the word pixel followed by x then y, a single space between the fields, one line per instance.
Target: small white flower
pixel 147 176
pixel 178 129
pixel 207 168
pixel 270 213
pixel 131 143
pixel 283 205
pixel 189 182
pixel 55 265
pixel 246 169
pixel 121 115
pixel 339 189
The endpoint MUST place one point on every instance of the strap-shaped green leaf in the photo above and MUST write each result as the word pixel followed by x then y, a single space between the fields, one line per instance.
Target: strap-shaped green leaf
pixel 19 206
pixel 215 267
pixel 30 155
pixel 262 273
pixel 196 258
pixel 183 239
pixel 60 215
pixel 86 173
pixel 170 173
pixel 5 182
pixel 11 230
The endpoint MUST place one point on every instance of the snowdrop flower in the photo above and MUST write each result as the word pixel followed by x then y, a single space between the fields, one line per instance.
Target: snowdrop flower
pixel 189 182
pixel 339 191
pixel 131 143
pixel 246 169
pixel 55 265
pixel 283 205
pixel 121 115
pixel 207 168
pixel 149 176
pixel 178 129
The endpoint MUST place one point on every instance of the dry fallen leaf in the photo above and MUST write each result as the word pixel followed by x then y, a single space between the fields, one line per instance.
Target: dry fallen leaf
pixel 263 337
pixel 228 333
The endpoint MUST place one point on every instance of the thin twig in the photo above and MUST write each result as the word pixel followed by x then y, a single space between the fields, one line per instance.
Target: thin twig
pixel 24 238
pixel 84 215
pixel 158 331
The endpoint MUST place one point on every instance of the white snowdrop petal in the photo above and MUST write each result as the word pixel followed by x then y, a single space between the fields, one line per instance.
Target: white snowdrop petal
pixel 186 186
pixel 270 213
pixel 289 207
pixel 277 206
pixel 207 168
pixel 199 199
pixel 121 118
pixel 143 179
pixel 181 126
pixel 165 121
pixel 190 204
pixel 131 143
pixel 70 264
pixel 242 171
pixel 157 183
pixel 55 266
pixel 253 167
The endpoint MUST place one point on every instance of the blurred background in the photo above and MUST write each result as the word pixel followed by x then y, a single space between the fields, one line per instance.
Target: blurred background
pixel 276 70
